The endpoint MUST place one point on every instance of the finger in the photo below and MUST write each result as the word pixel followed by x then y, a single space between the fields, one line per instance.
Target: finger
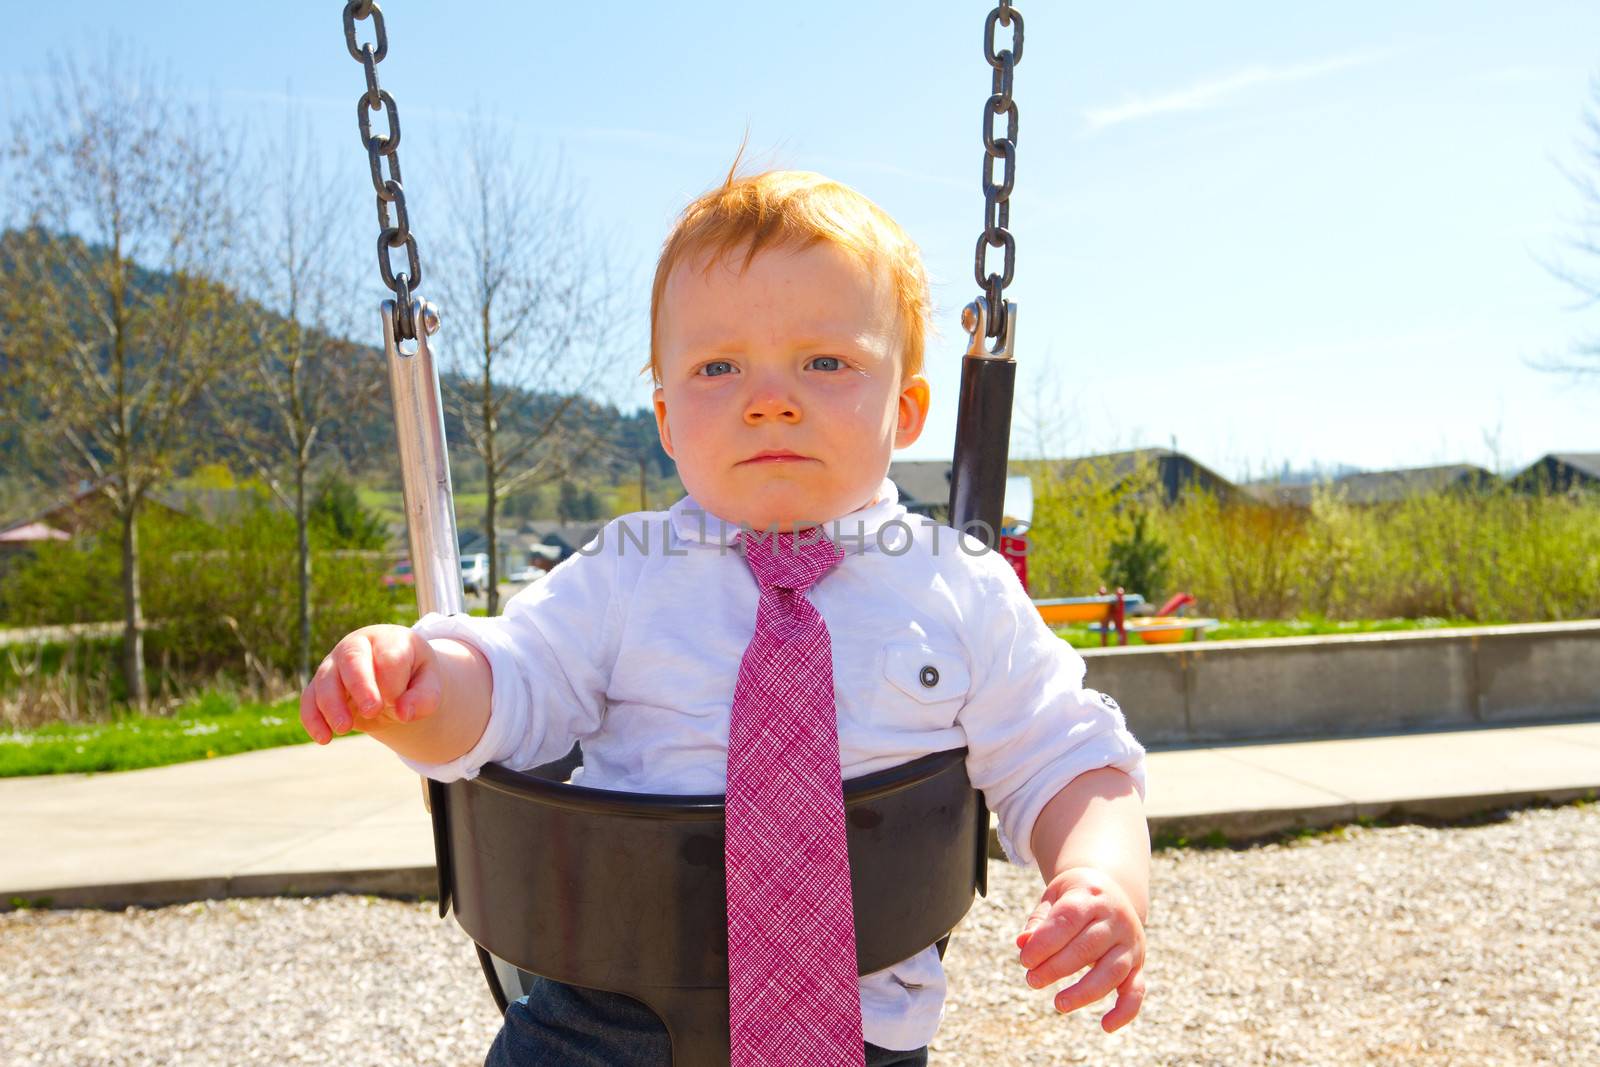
pixel 331 699
pixel 353 658
pixel 391 664
pixel 1065 920
pixel 1091 944
pixel 1035 917
pixel 1102 978
pixel 1130 997
pixel 422 698
pixel 311 718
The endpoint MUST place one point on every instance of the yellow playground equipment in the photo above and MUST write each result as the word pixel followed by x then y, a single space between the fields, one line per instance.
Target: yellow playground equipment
pixel 1107 613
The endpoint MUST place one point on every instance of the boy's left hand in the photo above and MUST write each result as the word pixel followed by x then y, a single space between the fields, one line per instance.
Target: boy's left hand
pixel 1085 919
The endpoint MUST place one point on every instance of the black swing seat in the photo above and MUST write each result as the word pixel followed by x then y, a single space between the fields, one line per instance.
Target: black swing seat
pixel 625 892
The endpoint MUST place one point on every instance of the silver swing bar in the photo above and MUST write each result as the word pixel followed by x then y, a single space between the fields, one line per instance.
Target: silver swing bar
pixel 424 463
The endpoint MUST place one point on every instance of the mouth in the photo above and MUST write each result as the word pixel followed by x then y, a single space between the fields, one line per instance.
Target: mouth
pixel 776 455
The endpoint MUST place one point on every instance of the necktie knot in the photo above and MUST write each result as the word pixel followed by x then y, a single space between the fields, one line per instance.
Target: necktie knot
pixel 794 561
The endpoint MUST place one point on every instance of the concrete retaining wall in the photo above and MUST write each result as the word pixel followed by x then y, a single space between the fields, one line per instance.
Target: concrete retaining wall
pixel 1305 687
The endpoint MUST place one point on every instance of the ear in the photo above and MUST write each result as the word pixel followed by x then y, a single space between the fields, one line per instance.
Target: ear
pixel 913 410
pixel 659 400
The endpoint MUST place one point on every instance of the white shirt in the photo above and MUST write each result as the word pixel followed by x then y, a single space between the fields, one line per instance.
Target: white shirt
pixel 633 646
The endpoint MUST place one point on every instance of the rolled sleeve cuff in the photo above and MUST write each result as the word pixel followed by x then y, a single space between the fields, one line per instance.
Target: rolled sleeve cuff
pixel 1117 749
pixel 508 705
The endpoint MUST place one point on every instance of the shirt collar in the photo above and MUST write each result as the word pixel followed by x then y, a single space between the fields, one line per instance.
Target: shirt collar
pixel 861 530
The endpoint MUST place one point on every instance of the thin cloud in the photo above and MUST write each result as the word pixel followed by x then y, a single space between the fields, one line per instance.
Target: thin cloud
pixel 1215 92
pixel 1520 73
pixel 890 169
pixel 646 139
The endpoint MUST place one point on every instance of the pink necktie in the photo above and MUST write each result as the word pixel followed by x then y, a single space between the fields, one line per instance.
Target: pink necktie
pixel 793 994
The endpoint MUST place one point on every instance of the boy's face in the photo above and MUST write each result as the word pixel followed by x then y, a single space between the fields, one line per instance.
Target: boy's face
pixel 800 355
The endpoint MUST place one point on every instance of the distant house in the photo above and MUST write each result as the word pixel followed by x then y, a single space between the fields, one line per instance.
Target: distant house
pixel 1560 472
pixel 19 538
pixel 86 510
pixel 32 533
pixel 1174 471
pixel 924 485
pixel 535 544
pixel 1381 487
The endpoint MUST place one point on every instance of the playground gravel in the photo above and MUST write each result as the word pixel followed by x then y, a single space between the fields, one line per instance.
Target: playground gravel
pixel 1397 945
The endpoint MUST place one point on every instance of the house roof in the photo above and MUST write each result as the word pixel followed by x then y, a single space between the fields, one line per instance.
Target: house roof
pixel 207 505
pixel 926 483
pixel 1586 462
pixel 1126 463
pixel 1280 492
pixel 215 505
pixel 32 532
pixel 567 536
pixel 68 512
pixel 1372 487
pixel 921 481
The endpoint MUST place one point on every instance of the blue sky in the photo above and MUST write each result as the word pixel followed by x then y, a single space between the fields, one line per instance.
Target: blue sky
pixel 1268 232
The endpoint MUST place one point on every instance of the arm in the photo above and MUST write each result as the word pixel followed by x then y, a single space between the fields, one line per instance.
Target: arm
pixel 1093 848
pixel 1098 821
pixel 549 662
pixel 1031 725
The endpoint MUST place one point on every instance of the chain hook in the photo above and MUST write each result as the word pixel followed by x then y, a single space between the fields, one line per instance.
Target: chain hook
pixel 981 326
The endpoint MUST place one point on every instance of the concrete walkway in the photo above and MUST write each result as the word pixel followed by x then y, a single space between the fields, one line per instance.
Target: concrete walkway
pixel 349 817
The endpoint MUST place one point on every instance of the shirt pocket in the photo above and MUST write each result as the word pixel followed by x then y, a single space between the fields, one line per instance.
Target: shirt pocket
pixel 934 678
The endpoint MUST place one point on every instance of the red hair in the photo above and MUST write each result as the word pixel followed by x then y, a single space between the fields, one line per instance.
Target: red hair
pixel 790 208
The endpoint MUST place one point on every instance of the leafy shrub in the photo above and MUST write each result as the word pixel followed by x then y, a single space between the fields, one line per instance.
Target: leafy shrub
pixel 1240 558
pixel 229 594
pixel 64 582
pixel 1080 510
pixel 339 520
pixel 219 600
pixel 1138 562
pixel 1494 556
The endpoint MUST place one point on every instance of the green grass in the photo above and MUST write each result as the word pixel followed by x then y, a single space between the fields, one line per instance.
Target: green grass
pixel 1253 629
pixel 214 724
pixel 390 505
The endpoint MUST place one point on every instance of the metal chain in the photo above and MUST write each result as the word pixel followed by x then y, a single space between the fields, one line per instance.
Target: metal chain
pixel 997 195
pixel 395 232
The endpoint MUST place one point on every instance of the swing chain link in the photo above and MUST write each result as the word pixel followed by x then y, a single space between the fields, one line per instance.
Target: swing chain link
pixel 393 232
pixel 997 195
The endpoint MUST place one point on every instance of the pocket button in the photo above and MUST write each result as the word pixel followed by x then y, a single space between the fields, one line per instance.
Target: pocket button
pixel 926 673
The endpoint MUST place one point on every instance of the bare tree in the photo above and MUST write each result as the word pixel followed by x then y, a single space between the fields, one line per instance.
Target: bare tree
pixel 112 322
pixel 297 367
pixel 1583 359
pixel 532 289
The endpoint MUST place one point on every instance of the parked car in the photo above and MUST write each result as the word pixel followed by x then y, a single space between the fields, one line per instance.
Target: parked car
pixel 475 572
pixel 399 574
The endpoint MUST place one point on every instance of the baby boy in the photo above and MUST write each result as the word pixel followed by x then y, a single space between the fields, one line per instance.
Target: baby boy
pixel 787 327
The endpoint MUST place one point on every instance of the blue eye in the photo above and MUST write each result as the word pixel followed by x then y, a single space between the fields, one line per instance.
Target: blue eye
pixel 717 368
pixel 835 361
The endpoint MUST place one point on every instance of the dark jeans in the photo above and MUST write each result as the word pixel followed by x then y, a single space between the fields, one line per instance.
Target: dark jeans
pixel 568 1026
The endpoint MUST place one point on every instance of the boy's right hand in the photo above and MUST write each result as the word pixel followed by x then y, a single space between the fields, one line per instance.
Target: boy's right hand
pixel 376 675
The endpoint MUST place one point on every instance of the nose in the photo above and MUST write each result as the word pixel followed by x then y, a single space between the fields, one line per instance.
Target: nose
pixel 770 402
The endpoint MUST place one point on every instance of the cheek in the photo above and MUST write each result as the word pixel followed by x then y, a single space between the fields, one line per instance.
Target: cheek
pixel 870 411
pixel 689 419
